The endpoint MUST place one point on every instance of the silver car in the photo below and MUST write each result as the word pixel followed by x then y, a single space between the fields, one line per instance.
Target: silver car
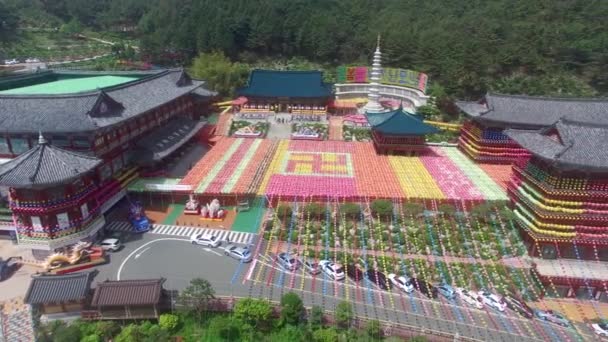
pixel 553 317
pixel 242 254
pixel 287 261
pixel 310 265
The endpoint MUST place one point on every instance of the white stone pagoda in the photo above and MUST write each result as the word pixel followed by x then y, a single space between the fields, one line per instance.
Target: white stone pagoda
pixel 373 97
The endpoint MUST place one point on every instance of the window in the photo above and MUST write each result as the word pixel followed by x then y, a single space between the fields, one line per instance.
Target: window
pixel 81 142
pixel 19 145
pixel 105 172
pixel 4 146
pixel 99 141
pixel 61 141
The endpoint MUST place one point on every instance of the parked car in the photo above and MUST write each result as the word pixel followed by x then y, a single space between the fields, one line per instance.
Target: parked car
pixel 32 60
pixel 287 261
pixel 11 61
pixel 600 329
pixel 402 282
pixel 354 272
pixel 335 271
pixel 518 306
pixel 205 239
pixel 446 290
pixel 239 253
pixel 425 288
pixel 492 300
pixel 8 267
pixel 470 297
pixel 310 265
pixel 110 245
pixel 379 279
pixel 552 316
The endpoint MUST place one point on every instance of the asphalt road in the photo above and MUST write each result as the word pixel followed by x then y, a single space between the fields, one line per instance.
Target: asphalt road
pixel 148 256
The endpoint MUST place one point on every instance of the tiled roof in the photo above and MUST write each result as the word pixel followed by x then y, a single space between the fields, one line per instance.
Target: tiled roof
pixel 294 84
pixel 166 139
pixel 45 165
pixel 58 288
pixel 531 112
pixel 399 122
pixel 576 145
pixel 128 292
pixel 79 112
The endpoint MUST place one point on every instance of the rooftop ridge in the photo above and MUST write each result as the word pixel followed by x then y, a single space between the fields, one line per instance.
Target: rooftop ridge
pixel 547 98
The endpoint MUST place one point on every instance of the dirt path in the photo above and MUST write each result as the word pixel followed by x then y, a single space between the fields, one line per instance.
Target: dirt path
pixel 335 128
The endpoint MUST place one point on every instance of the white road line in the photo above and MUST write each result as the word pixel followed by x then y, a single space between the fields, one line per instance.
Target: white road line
pixel 181 231
pixel 142 247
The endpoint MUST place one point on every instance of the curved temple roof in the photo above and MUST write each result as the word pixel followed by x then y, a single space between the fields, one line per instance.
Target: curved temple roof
pixel 45 165
pixel 88 111
pixel 533 112
pixel 568 144
pixel 293 84
pixel 399 122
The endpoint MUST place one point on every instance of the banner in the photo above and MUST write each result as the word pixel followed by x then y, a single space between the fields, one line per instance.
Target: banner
pixel 391 76
pixel 168 187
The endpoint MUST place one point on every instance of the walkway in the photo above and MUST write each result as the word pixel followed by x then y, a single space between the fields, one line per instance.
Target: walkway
pixel 16 323
pixel 335 128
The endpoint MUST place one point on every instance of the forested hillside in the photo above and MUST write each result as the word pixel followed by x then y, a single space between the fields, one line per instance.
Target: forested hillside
pixel 468 46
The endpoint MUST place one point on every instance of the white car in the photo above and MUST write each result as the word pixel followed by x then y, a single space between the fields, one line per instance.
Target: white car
pixel 404 283
pixel 111 245
pixel 600 329
pixel 492 300
pixel 205 239
pixel 32 60
pixel 470 297
pixel 11 61
pixel 335 271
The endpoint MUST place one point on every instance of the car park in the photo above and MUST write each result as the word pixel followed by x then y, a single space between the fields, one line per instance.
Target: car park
pixel 110 245
pixel 379 279
pixel 446 290
pixel 518 306
pixel 425 288
pixel 335 271
pixel 239 253
pixel 287 261
pixel 310 266
pixel 470 297
pixel 600 329
pixel 205 239
pixel 492 300
pixel 552 316
pixel 402 282
pixel 354 272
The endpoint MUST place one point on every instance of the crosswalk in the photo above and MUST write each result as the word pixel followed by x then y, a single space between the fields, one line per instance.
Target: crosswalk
pixel 164 229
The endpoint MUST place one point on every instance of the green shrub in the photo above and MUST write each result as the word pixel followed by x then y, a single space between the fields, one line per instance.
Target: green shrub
pixel 382 208
pixel 168 321
pixel 350 210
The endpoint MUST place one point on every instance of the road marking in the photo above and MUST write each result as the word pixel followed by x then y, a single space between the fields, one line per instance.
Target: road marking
pixel 142 252
pixel 212 251
pixel 141 247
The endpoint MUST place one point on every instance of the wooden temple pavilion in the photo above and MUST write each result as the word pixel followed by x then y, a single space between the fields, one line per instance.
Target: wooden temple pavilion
pixel 301 93
pixel 127 299
pixel 59 294
pixel 482 136
pixel 398 131
pixel 560 195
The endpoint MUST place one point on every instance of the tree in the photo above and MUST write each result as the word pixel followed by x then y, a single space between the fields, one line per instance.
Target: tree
pixel 106 329
pixel 325 335
pixel 374 329
pixel 219 72
pixel 344 314
pixel 73 27
pixel 225 327
pixel 67 333
pixel 292 308
pixel 168 322
pixel 413 209
pixel 255 312
pixel 284 211
pixel 351 210
pixel 447 209
pixel 196 296
pixel 382 208
pixel 315 210
pixel 315 320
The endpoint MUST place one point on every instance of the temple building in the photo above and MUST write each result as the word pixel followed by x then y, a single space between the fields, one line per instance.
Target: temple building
pixel 398 131
pixel 301 93
pixel 72 142
pixel 482 136
pixel 560 195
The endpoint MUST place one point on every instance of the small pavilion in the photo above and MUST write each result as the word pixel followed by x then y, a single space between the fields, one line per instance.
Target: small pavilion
pixel 398 131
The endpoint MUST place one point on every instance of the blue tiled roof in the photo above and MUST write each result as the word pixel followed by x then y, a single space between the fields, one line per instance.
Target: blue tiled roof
pixel 273 83
pixel 399 122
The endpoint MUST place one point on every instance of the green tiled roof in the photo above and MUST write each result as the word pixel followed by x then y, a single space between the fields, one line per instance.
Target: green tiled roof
pixel 399 122
pixel 68 86
pixel 294 84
